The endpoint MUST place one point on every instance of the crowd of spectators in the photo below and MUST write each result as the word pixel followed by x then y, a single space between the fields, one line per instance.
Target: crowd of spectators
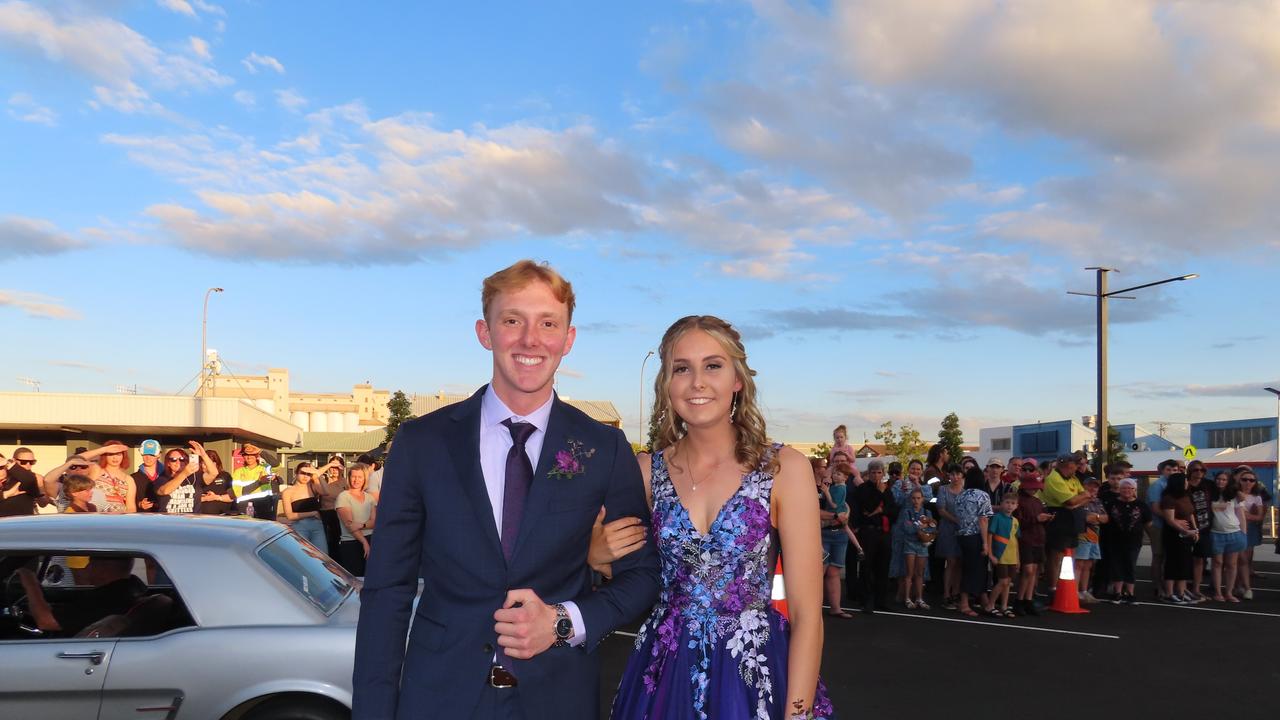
pixel 333 506
pixel 989 540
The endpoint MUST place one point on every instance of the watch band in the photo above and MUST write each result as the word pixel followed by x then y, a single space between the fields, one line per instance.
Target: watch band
pixel 562 619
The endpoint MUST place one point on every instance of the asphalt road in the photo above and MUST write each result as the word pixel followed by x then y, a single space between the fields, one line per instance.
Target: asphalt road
pixel 1148 660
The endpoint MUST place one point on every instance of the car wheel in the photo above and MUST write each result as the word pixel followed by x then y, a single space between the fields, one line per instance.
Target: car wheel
pixel 298 708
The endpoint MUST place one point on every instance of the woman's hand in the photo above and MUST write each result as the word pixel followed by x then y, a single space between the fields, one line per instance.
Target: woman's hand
pixel 364 545
pixel 615 540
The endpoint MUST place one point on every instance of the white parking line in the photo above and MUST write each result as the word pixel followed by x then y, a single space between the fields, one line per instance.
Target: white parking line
pixel 1255 589
pixel 1209 609
pixel 992 624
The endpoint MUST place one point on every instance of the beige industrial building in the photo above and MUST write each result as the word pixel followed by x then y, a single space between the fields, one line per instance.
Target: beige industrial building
pixel 362 410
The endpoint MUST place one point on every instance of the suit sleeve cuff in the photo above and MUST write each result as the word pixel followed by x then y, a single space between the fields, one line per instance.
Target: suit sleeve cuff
pixel 579 627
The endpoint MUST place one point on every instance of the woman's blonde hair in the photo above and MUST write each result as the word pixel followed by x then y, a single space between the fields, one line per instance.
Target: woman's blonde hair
pixel 358 468
pixel 748 422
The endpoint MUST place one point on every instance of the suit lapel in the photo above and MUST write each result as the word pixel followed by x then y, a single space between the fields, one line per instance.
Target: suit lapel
pixel 543 489
pixel 466 458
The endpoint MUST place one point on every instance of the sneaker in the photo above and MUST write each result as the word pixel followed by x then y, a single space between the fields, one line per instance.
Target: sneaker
pixel 1171 600
pixel 950 604
pixel 911 604
pixel 1089 597
pixel 922 605
pixel 1177 599
pixel 1248 594
pixel 1128 599
pixel 1031 608
pixel 1117 598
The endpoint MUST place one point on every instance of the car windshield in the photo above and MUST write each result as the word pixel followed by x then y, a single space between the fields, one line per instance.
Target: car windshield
pixel 321 580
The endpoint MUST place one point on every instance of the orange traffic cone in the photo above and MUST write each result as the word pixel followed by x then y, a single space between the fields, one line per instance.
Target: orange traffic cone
pixel 779 594
pixel 1066 599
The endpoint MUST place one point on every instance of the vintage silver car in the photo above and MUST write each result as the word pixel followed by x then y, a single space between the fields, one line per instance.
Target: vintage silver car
pixel 171 616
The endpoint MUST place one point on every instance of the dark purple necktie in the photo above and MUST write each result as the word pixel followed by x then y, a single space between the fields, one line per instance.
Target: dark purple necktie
pixel 519 477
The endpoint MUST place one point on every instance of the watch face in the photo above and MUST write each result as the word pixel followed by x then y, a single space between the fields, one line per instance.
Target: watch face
pixel 564 628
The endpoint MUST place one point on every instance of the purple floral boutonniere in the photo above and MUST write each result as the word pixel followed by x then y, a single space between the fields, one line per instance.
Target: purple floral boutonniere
pixel 571 462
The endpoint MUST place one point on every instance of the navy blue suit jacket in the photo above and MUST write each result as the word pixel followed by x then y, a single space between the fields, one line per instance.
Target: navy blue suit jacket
pixel 435 522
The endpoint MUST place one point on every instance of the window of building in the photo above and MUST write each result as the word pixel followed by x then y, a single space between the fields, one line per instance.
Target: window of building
pixel 1239 437
pixel 1039 443
pixel 1001 443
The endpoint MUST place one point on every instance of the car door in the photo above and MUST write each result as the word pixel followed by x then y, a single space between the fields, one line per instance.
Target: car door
pixel 53 679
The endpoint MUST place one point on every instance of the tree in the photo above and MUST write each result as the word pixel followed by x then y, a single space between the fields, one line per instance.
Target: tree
pixel 822 450
pixel 904 443
pixel 399 409
pixel 1115 451
pixel 951 437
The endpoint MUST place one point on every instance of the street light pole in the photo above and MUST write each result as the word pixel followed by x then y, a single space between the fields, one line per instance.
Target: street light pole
pixel 640 430
pixel 1103 295
pixel 1100 423
pixel 204 333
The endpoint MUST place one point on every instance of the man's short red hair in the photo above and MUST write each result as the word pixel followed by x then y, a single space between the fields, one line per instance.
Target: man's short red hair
pixel 518 276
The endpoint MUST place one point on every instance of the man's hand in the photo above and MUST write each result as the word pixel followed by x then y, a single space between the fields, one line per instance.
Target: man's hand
pixel 146 504
pixel 525 625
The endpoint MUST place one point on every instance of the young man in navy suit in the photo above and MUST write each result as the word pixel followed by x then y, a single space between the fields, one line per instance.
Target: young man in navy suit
pixel 491 503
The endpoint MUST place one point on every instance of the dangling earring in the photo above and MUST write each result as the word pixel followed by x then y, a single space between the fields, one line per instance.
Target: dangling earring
pixel 662 418
pixel 733 410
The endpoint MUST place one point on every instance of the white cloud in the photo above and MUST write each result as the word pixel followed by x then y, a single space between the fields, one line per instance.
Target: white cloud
pixel 253 61
pixel 182 7
pixel 36 305
pixel 130 99
pixel 290 100
pixel 107 51
pixel 30 236
pixel 353 188
pixel 200 48
pixel 244 97
pixel 23 107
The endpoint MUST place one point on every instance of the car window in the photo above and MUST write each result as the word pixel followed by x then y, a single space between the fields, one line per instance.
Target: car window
pixel 316 576
pixel 63 595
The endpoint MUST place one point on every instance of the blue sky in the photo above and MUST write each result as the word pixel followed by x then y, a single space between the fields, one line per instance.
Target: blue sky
pixel 890 198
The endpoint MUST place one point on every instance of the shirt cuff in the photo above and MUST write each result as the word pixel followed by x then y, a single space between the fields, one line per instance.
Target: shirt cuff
pixel 579 629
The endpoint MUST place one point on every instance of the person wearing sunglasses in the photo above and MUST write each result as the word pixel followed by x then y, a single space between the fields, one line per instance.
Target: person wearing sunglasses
pixel 177 495
pixel 1254 510
pixel 301 505
pixel 85 463
pixel 19 490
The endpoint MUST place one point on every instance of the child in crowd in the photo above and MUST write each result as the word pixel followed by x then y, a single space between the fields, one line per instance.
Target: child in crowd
pixel 79 489
pixel 916 531
pixel 1004 552
pixel 1127 523
pixel 1031 538
pixel 1089 542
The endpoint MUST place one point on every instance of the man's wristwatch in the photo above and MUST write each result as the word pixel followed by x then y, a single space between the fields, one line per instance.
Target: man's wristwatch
pixel 564 627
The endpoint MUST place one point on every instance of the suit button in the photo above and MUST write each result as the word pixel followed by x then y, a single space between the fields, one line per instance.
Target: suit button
pixel 488 648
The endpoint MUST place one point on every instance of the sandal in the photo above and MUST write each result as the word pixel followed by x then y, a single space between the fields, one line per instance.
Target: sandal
pixel 995 612
pixel 968 612
pixel 922 605
pixel 839 614
pixel 911 604
pixel 1009 613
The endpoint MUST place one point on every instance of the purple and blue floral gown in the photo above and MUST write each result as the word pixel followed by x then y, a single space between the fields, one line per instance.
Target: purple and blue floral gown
pixel 713 648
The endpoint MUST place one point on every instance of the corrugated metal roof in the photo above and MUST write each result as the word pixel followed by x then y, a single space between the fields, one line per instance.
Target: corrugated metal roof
pixel 599 410
pixel 340 442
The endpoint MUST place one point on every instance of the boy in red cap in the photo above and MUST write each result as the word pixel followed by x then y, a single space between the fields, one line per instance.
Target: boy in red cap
pixel 1031 521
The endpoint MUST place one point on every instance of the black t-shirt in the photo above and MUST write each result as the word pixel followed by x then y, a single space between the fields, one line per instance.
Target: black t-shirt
pixel 1201 500
pixel 24 503
pixel 183 500
pixel 145 487
pixel 221 485
pixel 1128 519
pixel 864 502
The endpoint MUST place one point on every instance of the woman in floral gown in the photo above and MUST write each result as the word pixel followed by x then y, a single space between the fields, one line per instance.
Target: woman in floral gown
pixel 724 501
